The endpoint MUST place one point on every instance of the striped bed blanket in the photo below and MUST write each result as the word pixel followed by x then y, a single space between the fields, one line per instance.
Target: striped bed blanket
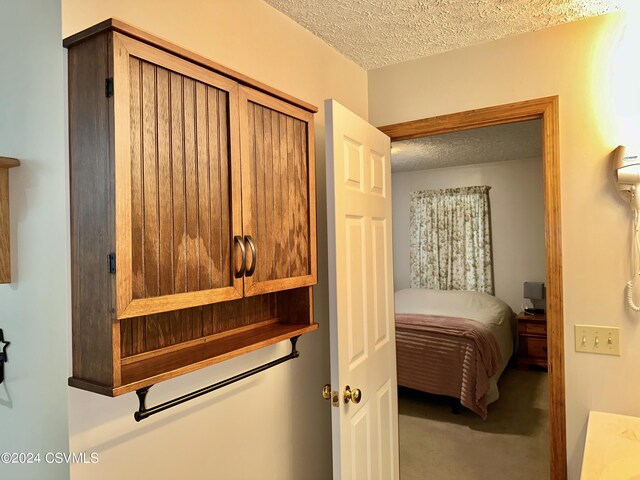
pixel 447 356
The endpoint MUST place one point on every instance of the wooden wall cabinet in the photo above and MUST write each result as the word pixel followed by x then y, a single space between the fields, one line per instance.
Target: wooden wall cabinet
pixel 192 211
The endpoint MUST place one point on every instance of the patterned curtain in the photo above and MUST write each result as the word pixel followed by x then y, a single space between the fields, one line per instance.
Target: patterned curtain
pixel 451 239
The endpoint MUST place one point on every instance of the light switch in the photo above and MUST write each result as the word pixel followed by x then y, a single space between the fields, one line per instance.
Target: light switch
pixel 597 339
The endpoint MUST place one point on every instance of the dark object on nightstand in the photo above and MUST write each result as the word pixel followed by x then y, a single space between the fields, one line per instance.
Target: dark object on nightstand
pixel 532 334
pixel 533 311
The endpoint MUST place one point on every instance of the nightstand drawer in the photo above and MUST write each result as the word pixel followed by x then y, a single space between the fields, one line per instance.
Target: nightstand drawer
pixel 535 328
pixel 535 347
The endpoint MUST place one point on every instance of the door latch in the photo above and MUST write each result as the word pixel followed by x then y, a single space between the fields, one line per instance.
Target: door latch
pixel 333 395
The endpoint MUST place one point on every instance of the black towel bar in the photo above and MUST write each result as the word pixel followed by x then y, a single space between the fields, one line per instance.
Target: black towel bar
pixel 144 412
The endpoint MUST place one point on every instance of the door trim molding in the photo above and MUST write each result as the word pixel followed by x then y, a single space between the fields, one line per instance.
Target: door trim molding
pixel 546 109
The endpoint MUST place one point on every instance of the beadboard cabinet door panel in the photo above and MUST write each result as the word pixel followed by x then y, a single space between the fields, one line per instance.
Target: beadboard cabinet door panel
pixel 178 157
pixel 278 193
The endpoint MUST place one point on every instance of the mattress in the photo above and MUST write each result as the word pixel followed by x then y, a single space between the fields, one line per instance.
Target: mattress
pixel 454 343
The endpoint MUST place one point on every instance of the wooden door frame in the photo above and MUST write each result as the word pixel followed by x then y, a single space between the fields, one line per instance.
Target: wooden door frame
pixel 546 109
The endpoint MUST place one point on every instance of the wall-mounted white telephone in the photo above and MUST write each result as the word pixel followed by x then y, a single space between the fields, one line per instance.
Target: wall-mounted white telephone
pixel 626 172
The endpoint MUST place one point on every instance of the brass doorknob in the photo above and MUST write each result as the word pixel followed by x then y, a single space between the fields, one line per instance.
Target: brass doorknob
pixel 354 395
pixel 326 392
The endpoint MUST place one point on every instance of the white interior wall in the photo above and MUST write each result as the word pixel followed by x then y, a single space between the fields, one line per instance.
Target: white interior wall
pixel 274 425
pixel 517 219
pixel 278 419
pixel 591 66
pixel 34 312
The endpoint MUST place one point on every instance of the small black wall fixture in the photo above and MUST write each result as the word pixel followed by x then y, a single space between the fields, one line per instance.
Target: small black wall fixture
pixel 3 354
pixel 144 412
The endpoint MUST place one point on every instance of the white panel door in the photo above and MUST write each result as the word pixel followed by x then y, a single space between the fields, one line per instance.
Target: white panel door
pixel 363 347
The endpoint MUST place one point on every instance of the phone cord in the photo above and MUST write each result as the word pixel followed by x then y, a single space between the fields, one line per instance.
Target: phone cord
pixel 635 256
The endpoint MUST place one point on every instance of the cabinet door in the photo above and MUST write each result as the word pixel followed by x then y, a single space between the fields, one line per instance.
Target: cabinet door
pixel 177 182
pixel 278 193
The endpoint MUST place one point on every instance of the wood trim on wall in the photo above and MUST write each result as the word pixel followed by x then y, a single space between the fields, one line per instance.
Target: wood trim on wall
pixel 546 109
pixel 5 256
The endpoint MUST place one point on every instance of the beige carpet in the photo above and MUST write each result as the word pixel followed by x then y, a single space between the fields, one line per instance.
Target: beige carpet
pixel 512 443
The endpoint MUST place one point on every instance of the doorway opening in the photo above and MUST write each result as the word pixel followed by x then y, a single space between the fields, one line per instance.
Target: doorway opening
pixel 545 109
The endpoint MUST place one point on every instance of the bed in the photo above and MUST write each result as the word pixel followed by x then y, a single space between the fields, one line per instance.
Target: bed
pixel 454 343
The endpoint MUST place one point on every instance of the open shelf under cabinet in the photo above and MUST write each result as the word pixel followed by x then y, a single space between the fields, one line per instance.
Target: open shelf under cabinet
pixel 149 371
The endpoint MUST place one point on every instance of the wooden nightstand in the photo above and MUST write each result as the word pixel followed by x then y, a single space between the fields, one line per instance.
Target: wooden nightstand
pixel 532 333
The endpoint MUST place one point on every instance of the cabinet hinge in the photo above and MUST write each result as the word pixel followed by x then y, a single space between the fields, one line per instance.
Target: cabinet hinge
pixel 108 87
pixel 111 259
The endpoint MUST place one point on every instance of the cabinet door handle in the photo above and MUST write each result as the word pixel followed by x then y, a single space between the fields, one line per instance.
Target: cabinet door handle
pixel 238 240
pixel 254 254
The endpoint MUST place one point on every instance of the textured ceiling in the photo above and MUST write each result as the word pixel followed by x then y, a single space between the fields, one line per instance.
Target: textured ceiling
pixel 375 33
pixel 513 141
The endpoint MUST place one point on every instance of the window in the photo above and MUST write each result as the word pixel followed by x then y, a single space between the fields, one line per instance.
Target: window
pixel 451 239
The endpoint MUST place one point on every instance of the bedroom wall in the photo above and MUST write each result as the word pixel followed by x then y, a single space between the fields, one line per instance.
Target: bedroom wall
pixel 34 313
pixel 517 219
pixel 274 425
pixel 592 66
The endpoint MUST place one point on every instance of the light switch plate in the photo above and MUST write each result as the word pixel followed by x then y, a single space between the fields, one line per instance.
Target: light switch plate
pixel 598 339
